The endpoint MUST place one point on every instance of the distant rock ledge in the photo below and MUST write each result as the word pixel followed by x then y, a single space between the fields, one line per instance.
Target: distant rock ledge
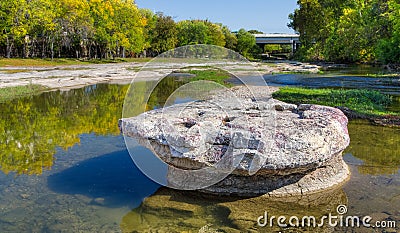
pixel 284 149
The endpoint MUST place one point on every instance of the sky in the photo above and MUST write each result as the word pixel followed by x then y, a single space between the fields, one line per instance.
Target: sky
pixel 269 16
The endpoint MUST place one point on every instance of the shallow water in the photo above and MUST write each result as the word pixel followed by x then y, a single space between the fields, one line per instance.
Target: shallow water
pixel 65 168
pixel 389 85
pixel 365 77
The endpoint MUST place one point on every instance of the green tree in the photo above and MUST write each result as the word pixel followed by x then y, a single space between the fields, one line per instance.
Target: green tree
pixel 345 31
pixel 164 36
pixel 192 32
pixel 200 32
pixel 151 20
pixel 245 43
pixel 254 31
pixel 270 48
pixel 119 27
pixel 129 36
pixel 215 35
pixel 41 26
pixel 388 49
pixel 230 38
pixel 75 28
pixel 14 27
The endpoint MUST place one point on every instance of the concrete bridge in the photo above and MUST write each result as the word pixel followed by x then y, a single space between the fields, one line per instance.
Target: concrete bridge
pixel 276 38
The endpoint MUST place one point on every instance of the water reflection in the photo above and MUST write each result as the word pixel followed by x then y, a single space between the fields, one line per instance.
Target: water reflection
pixel 111 179
pixel 363 70
pixel 389 85
pixel 33 127
pixel 31 130
pixel 90 187
pixel 377 147
pixel 177 211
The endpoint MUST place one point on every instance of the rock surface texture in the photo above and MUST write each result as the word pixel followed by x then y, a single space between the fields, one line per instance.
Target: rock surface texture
pixel 264 146
pixel 77 76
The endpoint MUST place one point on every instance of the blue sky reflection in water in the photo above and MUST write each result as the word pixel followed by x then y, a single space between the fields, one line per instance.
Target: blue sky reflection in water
pixel 111 176
pixel 88 189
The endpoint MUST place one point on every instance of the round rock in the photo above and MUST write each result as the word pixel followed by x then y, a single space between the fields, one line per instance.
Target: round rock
pixel 269 146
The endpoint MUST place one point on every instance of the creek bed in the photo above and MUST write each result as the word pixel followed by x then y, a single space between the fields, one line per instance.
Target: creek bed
pixel 64 168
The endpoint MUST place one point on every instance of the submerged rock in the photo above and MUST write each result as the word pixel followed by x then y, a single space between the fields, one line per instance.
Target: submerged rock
pixel 256 144
pixel 176 211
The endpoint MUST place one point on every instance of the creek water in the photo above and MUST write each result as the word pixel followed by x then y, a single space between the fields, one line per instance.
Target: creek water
pixel 64 168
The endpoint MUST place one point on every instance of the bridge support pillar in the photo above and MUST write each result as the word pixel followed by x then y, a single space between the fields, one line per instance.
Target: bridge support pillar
pixel 294 47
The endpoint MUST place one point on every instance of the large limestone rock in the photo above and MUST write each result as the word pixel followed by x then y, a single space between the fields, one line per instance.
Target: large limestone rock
pixel 265 145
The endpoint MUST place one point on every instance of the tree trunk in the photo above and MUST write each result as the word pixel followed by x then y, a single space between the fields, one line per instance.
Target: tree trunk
pixel 101 52
pixel 24 50
pixel 33 47
pixel 90 52
pixel 43 48
pixel 59 49
pixel 8 48
pixel 52 49
pixel 117 52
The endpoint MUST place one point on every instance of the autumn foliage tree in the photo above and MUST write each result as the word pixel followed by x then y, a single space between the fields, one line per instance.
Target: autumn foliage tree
pixel 71 28
pixel 99 29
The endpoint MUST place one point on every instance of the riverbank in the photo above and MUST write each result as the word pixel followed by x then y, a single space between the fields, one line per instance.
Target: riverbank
pixel 386 120
pixel 356 104
pixel 10 93
pixel 32 62
pixel 64 77
pixel 16 81
pixel 367 70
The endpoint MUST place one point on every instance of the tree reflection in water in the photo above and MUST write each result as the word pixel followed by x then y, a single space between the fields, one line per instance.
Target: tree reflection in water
pixel 32 128
pixel 377 146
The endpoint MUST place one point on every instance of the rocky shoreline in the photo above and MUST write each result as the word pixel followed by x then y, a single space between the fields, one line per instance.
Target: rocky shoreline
pixel 76 76
pixel 387 121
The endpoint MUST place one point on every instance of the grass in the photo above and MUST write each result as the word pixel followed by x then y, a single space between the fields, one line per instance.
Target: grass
pixel 9 93
pixel 386 75
pixel 215 75
pixel 37 62
pixel 14 71
pixel 362 102
pixel 273 65
pixel 20 62
pixel 291 72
